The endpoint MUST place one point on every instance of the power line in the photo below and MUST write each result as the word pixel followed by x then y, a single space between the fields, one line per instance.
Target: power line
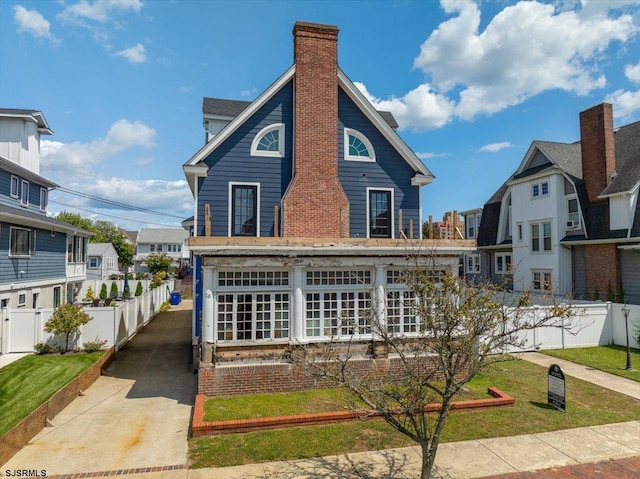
pixel 112 216
pixel 115 203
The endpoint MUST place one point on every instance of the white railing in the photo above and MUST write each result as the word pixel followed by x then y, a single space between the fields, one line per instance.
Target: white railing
pixel 114 325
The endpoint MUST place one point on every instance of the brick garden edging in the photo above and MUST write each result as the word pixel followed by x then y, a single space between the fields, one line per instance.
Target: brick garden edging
pixel 19 435
pixel 201 428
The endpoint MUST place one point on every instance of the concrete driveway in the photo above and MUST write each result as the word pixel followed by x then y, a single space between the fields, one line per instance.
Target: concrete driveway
pixel 135 416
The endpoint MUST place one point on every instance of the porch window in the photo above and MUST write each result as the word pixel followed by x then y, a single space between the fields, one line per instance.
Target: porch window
pixel 334 314
pixel 401 312
pixel 244 210
pixel 380 213
pixel 253 316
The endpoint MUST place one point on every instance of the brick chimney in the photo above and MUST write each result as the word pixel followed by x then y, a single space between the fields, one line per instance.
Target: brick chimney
pixel 598 149
pixel 315 205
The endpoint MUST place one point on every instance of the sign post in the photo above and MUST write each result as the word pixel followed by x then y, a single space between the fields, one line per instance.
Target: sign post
pixel 556 388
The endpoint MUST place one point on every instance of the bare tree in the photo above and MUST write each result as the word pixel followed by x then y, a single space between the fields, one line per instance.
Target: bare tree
pixel 457 330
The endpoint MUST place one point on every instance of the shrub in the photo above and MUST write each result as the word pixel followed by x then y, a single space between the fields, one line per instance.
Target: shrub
pixel 45 348
pixel 103 291
pixel 67 320
pixel 91 295
pixel 139 289
pixel 113 293
pixel 93 346
pixel 126 293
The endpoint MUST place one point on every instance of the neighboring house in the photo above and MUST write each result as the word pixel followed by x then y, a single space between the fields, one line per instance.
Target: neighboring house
pixel 102 261
pixel 307 209
pixel 472 264
pixel 157 240
pixel 42 260
pixel 568 219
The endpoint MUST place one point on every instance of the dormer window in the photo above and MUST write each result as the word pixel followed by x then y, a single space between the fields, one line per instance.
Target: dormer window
pixel 357 147
pixel 540 189
pixel 269 141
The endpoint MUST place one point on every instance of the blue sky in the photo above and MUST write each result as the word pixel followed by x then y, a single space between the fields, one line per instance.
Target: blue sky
pixel 471 84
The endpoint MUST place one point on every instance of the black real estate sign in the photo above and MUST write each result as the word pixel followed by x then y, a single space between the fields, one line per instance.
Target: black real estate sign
pixel 556 388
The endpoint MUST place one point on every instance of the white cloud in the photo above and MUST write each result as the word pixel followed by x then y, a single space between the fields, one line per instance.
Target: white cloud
pixel 135 54
pixel 76 157
pixel 32 21
pixel 250 93
pixel 494 147
pixel 185 89
pixel 144 161
pixel 632 72
pixel 98 11
pixel 420 109
pixel 625 103
pixel 158 195
pixel 524 50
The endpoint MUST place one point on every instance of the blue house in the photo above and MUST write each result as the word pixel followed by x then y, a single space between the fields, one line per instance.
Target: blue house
pixel 42 260
pixel 307 206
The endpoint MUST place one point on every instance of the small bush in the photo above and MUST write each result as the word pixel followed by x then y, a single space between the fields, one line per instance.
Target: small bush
pixel 66 321
pixel 93 346
pixel 113 293
pixel 46 348
pixel 103 291
pixel 127 291
pixel 91 295
pixel 139 289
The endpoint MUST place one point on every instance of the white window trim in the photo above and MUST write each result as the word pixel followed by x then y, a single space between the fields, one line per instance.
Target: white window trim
pixel 363 139
pixel 32 242
pixel 230 204
pixel 393 221
pixel 579 224
pixel 97 260
pixel 540 193
pixel 44 200
pixel 541 249
pixel 24 299
pixel 476 263
pixel 542 273
pixel 506 266
pixel 25 184
pixel 264 131
pixel 14 180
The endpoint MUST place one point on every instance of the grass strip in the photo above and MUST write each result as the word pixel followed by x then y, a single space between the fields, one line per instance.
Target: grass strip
pixel 30 381
pixel 587 405
pixel 611 359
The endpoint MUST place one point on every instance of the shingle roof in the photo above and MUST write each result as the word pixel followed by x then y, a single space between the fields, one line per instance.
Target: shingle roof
pixel 99 249
pixel 566 155
pixel 160 235
pixel 232 108
pixel 627 145
pixel 488 230
pixel 22 216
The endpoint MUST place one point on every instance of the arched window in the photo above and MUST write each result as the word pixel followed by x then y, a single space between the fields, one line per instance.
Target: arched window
pixel 269 141
pixel 357 147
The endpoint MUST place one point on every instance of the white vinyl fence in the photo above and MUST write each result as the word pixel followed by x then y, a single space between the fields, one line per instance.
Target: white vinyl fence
pixel 594 324
pixel 116 324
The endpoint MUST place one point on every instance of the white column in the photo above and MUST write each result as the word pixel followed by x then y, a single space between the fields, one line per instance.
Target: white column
pixel 208 323
pixel 297 323
pixel 379 294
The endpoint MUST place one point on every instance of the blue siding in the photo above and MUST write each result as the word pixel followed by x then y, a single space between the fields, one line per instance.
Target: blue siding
pixel 390 170
pixel 5 190
pixel 48 260
pixel 232 162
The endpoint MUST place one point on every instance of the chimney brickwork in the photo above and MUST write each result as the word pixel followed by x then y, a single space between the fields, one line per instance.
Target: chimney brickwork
pixel 602 270
pixel 315 205
pixel 598 150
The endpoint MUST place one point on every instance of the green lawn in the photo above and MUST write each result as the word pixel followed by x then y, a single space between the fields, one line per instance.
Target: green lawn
pixel 30 381
pixel 587 405
pixel 611 359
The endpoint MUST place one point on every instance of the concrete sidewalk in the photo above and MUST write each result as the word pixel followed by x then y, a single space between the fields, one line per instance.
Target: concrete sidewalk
pixel 104 435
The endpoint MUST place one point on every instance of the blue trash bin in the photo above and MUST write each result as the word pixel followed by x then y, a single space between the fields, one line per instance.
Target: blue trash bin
pixel 176 297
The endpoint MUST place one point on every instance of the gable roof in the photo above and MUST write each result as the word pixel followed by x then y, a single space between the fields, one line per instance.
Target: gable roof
pixel 193 168
pixel 28 115
pixel 100 249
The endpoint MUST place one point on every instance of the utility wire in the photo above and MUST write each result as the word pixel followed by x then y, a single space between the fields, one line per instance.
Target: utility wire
pixel 115 203
pixel 113 216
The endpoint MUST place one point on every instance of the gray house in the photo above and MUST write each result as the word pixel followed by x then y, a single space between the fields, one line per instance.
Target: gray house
pixel 42 260
pixel 102 261
pixel 161 240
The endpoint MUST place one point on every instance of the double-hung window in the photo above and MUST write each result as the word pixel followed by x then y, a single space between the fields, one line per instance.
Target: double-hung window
pixel 380 213
pixel 541 236
pixel 573 216
pixel 503 263
pixel 15 186
pixel 541 280
pixel 540 189
pixel 243 203
pixel 472 263
pixel 24 193
pixel 43 199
